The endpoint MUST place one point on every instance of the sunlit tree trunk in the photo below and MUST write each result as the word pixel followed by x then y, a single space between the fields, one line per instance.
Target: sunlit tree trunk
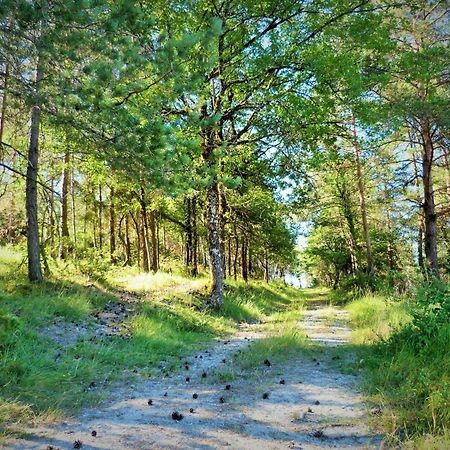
pixel 31 202
pixel 429 207
pixel 194 271
pixel 154 241
pixel 215 256
pixel 112 226
pixel 100 218
pixel 64 233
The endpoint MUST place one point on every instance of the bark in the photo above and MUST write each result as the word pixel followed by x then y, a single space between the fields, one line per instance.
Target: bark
pixel 244 261
pixel 420 259
pixel 74 224
pixel 127 241
pixel 112 227
pixel 266 267
pixel 362 197
pixel 100 218
pixel 51 218
pixel 447 171
pixel 188 238
pixel 138 238
pixel 194 271
pixel 213 220
pixel 4 101
pixel 222 222
pixel 215 256
pixel 64 228
pixel 429 207
pixel 154 241
pixel 31 203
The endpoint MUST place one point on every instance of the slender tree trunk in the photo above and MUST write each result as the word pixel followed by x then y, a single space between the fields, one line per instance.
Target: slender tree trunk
pixel 64 207
pixel 154 241
pixel 112 226
pixel 236 253
pixel 266 267
pixel 138 238
pixel 250 264
pixel 144 240
pixel 447 171
pixel 194 271
pixel 74 223
pixel 51 217
pixel 127 241
pixel 420 259
pixel 188 238
pixel 31 202
pixel 213 219
pixel 362 198
pixel 429 207
pixel 4 101
pixel 229 256
pixel 100 218
pixel 244 262
pixel 222 222
pixel 215 256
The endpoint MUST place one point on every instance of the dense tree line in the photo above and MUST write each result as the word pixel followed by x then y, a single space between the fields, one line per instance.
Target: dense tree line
pixel 202 130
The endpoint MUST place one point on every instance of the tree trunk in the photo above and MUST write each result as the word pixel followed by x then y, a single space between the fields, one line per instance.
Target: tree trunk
pixel 74 225
pixel 112 227
pixel 31 203
pixel 4 98
pixel 429 207
pixel 127 241
pixel 64 208
pixel 144 241
pixel 236 253
pixel 244 262
pixel 362 198
pixel 154 241
pixel 188 240
pixel 447 171
pixel 420 259
pixel 266 267
pixel 215 256
pixel 194 271
pixel 100 218
pixel 222 222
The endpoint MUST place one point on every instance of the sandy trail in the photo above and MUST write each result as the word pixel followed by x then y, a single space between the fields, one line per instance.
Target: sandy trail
pixel 316 407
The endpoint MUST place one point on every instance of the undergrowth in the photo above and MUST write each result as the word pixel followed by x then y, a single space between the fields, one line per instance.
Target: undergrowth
pixel 406 357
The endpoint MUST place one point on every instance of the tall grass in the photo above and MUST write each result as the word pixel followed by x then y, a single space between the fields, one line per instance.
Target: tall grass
pixel 406 347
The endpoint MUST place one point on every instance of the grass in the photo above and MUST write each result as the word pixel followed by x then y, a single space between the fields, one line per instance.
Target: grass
pixel 406 375
pixel 43 377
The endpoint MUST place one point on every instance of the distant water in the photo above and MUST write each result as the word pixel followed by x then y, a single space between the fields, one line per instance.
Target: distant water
pixel 296 281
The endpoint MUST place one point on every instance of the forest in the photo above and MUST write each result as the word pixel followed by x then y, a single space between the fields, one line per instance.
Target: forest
pixel 177 175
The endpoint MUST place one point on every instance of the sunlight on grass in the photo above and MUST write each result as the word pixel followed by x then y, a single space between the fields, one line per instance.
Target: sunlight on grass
pixel 376 317
pixel 134 281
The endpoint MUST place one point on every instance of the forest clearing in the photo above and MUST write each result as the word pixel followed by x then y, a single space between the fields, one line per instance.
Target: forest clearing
pixel 224 224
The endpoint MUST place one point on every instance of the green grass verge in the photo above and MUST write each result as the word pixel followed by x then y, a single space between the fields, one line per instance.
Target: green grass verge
pixel 407 369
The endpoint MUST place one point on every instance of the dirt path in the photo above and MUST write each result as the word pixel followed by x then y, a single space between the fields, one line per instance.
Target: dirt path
pixel 315 408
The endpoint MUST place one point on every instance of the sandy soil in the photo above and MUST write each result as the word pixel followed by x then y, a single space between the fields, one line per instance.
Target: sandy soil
pixel 315 408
